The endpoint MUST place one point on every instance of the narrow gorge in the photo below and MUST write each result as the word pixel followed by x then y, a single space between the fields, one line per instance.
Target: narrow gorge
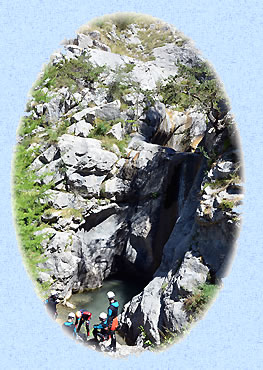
pixel 128 164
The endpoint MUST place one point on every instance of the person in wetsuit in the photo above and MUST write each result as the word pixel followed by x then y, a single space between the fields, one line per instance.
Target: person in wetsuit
pixel 81 317
pixel 51 305
pixel 100 331
pixel 68 327
pixel 112 320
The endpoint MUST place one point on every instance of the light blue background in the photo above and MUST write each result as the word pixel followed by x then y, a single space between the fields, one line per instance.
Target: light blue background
pixel 229 34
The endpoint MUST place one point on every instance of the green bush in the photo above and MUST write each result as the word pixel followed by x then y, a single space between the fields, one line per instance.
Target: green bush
pixel 121 84
pixel 40 97
pixel 193 86
pixel 196 303
pixel 53 134
pixel 28 124
pixel 69 73
pixel 101 128
pixel 146 341
pixel 28 208
pixel 226 205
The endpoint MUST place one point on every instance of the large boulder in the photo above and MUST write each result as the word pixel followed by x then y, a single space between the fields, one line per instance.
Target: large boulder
pixel 85 155
pixel 88 186
pixel 80 128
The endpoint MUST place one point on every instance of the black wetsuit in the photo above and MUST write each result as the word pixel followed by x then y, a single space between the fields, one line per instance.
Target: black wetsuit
pixel 85 317
pixel 51 306
pixel 69 328
pixel 112 313
pixel 100 331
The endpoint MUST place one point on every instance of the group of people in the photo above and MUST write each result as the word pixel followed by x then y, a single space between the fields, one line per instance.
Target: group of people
pixel 105 330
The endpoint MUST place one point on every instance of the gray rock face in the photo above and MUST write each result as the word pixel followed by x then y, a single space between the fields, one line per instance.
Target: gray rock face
pixel 95 35
pixel 110 111
pixel 51 172
pixel 116 131
pixel 48 155
pixel 168 56
pixel 116 188
pixel 84 41
pixel 159 306
pixel 223 169
pixel 80 128
pixel 88 186
pixel 192 273
pixel 85 155
pixel 87 115
pixel 101 46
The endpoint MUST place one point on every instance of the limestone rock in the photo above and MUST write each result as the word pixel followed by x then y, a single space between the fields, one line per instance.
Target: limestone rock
pixel 85 155
pixel 174 315
pixel 84 41
pixel 192 273
pixel 95 35
pixel 116 188
pixel 80 128
pixel 60 200
pixel 49 155
pixel 116 131
pixel 110 111
pixel 51 172
pixel 88 186
pixel 87 114
pixel 101 46
pixel 223 169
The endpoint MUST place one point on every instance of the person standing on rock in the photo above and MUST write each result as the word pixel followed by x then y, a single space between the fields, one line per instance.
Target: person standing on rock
pixel 112 320
pixel 68 327
pixel 51 305
pixel 81 317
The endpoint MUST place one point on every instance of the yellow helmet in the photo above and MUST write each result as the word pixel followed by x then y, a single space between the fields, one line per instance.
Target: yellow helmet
pixel 78 314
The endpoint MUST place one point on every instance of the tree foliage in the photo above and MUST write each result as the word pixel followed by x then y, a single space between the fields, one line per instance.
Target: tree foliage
pixel 68 73
pixel 193 87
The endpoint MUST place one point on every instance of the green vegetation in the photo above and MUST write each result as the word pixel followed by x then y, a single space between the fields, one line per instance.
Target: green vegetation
pixel 226 205
pixel 27 194
pixel 121 21
pixel 198 302
pixel 52 134
pixel 193 86
pixel 164 286
pixel 211 157
pixel 150 38
pixel 232 178
pixel 155 195
pixel 28 124
pixel 69 73
pixel 40 96
pixel 121 84
pixel 66 212
pixel 167 337
pixel 101 128
pixel 107 141
pixel 153 38
pixel 146 341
